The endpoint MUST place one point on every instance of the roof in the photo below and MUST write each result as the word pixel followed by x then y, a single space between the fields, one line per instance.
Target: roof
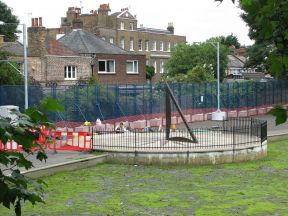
pixel 236 61
pixel 54 47
pixel 115 14
pixel 84 42
pixel 162 31
pixel 15 48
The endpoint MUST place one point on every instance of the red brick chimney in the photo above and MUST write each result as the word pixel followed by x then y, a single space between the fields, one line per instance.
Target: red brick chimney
pixel 36 22
pixel 40 21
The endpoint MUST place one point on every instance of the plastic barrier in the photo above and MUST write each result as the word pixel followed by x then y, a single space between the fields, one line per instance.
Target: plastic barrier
pixel 74 141
pixel 69 141
pixel 10 146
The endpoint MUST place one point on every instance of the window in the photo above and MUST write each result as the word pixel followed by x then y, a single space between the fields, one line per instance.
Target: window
pixel 154 64
pixel 122 43
pixel 106 66
pixel 154 46
pixel 121 25
pixel 161 66
pixel 161 46
pixel 132 66
pixel 111 40
pixel 168 46
pixel 147 45
pixel 131 26
pixel 70 72
pixel 147 62
pixel 131 44
pixel 140 45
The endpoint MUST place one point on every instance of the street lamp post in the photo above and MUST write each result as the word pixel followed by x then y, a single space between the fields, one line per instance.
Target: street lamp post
pixel 25 61
pixel 218 115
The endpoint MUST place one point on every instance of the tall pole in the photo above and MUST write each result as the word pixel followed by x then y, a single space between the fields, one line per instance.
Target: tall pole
pixel 25 66
pixel 218 77
pixel 218 115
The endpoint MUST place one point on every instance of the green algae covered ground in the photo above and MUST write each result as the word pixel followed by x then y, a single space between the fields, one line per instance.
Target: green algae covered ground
pixel 250 188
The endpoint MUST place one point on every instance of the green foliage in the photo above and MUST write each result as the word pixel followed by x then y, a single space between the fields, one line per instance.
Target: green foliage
pixel 185 58
pixel 197 74
pixel 280 113
pixel 6 16
pixel 24 129
pixel 150 72
pixel 268 23
pixel 256 56
pixel 93 80
pixel 231 40
pixel 8 74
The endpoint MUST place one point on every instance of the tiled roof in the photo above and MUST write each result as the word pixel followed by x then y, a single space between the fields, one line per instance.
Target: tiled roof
pixel 15 48
pixel 86 43
pixel 54 47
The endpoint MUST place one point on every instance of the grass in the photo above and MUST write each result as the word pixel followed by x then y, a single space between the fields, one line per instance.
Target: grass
pixel 250 188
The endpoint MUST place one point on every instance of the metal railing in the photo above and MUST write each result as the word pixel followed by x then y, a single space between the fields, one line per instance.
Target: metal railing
pixel 235 134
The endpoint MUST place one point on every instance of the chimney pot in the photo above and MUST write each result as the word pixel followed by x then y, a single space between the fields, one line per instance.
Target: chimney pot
pixel 40 21
pixel 36 22
pixel 32 22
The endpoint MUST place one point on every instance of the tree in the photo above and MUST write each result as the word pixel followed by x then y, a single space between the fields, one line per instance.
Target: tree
pixel 8 73
pixel 231 40
pixel 268 26
pixel 257 55
pixel 10 29
pixel 185 57
pixel 150 72
pixel 24 129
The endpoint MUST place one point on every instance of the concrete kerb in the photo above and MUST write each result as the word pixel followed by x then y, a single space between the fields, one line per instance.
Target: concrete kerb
pixel 94 160
pixel 65 166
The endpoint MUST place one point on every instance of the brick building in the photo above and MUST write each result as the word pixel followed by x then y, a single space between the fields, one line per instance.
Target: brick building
pixel 79 55
pixel 121 28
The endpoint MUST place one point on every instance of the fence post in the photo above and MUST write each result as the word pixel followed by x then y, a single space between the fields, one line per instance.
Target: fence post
pixel 151 98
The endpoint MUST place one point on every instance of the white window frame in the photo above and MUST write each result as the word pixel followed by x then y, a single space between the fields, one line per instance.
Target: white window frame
pixel 154 46
pixel 122 43
pixel 73 72
pixel 161 46
pixel 154 64
pixel 168 46
pixel 162 66
pixel 106 61
pixel 134 70
pixel 131 26
pixel 131 44
pixel 140 48
pixel 122 25
pixel 146 45
pixel 111 40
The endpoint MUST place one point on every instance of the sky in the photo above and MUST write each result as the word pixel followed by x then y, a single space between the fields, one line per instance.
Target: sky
pixel 198 20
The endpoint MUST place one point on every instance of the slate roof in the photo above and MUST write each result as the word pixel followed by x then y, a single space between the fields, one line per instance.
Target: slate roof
pixel 15 48
pixel 87 43
pixel 162 31
pixel 236 61
pixel 54 47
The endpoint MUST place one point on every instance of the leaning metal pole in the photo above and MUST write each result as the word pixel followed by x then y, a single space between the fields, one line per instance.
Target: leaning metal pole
pixel 168 95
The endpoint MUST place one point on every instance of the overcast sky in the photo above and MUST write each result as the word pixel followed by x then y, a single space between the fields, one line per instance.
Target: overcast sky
pixel 198 20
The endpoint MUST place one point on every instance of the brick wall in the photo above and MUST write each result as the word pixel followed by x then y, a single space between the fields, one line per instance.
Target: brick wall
pixel 55 68
pixel 121 76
